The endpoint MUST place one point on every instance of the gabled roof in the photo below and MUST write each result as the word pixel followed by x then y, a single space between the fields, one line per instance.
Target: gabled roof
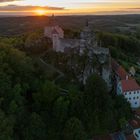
pixel 58 29
pixel 119 70
pixel 54 31
pixel 121 73
pixel 129 85
pixel 114 64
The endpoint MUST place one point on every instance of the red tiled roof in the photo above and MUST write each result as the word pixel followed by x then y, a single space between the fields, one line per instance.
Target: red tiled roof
pixel 114 64
pixel 137 112
pixel 129 85
pixel 119 70
pixel 121 73
pixel 135 123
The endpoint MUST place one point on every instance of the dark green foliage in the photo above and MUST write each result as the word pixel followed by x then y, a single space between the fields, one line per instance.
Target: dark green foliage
pixel 98 105
pixel 74 130
pixel 120 43
pixel 34 108
pixel 36 44
pixel 36 129
pixel 6 127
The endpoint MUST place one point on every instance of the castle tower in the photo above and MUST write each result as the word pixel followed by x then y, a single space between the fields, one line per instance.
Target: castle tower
pixel 55 40
pixel 85 38
pixel 49 30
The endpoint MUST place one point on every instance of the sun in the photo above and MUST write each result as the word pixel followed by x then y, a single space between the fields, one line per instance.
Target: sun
pixel 40 12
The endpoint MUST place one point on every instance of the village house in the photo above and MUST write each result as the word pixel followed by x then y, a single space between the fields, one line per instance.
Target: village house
pixel 130 90
pixel 125 85
pixel 135 124
pixel 132 71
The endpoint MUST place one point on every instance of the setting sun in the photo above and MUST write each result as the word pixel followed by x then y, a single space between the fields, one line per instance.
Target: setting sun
pixel 40 12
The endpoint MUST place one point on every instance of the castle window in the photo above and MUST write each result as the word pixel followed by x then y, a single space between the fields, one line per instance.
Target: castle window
pixel 134 98
pixel 129 98
pixel 135 103
pixel 137 97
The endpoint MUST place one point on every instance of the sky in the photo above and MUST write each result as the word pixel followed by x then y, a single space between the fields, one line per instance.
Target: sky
pixel 68 7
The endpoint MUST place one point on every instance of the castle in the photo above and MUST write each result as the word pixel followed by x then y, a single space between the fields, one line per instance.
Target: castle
pixel 86 43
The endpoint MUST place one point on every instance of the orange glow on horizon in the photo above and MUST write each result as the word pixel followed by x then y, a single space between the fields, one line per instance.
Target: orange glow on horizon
pixel 111 7
pixel 40 12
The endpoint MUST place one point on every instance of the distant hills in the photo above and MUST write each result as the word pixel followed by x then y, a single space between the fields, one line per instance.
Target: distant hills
pixel 10 26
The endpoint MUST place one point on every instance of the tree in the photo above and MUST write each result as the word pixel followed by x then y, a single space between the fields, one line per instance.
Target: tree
pixel 122 109
pixel 61 110
pixel 35 43
pixel 6 127
pixel 74 130
pixel 36 130
pixel 46 95
pixel 98 105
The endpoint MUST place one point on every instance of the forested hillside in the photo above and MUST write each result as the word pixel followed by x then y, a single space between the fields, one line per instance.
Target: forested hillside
pixel 33 107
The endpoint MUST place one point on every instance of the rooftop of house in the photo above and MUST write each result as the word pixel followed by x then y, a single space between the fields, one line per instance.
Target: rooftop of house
pixel 121 73
pixel 135 123
pixel 119 70
pixel 54 31
pixel 129 85
pixel 56 27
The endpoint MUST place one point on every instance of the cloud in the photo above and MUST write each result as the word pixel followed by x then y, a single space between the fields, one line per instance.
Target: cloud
pixel 18 8
pixel 7 0
pixel 137 8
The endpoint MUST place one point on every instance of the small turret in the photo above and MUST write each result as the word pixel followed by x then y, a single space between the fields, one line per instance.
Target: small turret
pixel 52 21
